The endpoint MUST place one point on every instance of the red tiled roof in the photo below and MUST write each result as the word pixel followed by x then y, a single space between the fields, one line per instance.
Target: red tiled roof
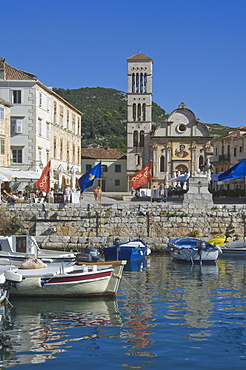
pixel 4 102
pixel 100 153
pixel 16 74
pixel 232 133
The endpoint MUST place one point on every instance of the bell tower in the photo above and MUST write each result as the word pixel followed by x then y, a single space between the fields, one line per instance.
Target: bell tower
pixel 139 112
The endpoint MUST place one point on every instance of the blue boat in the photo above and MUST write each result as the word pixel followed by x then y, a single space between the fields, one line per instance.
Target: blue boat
pixel 130 251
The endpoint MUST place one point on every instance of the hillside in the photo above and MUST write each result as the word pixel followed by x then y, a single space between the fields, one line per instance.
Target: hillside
pixel 105 114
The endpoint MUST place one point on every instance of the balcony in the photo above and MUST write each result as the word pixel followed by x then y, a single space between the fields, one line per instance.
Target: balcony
pixel 224 157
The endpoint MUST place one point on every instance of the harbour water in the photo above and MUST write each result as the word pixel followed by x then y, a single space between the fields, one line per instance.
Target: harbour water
pixel 166 316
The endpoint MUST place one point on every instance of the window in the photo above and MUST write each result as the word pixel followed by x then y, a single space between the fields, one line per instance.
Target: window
pixel 118 168
pixel 16 125
pixel 2 147
pixel 16 96
pixel 47 130
pixel 1 113
pixel 104 168
pixel 54 147
pixel 61 115
pixel 17 155
pixel 55 111
pixel 88 167
pixel 141 139
pixel 135 138
pixel 40 155
pixel 235 152
pixel 48 102
pixel 162 163
pixel 40 99
pixel 39 126
pixel 61 149
pixel 117 182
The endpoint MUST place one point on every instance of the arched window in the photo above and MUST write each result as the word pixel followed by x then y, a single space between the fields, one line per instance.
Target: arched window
pixel 138 160
pixel 141 82
pixel 162 163
pixel 144 112
pixel 139 112
pixel 134 112
pixel 145 82
pixel 135 138
pixel 141 143
pixel 133 83
pixel 137 83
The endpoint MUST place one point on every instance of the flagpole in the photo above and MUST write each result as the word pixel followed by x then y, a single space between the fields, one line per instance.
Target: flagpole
pixel 100 226
pixel 151 202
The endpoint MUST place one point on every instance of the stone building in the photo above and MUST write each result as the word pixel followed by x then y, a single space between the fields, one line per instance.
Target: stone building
pixel 229 149
pixel 179 145
pixel 4 133
pixel 113 167
pixel 44 126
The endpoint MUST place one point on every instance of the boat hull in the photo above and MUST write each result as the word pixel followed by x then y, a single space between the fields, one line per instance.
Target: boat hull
pixel 132 251
pixel 78 283
pixel 193 250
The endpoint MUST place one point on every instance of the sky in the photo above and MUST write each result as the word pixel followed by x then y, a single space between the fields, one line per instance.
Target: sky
pixel 198 48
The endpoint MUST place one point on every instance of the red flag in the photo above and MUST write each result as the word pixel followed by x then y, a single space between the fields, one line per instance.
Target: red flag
pixel 142 177
pixel 44 182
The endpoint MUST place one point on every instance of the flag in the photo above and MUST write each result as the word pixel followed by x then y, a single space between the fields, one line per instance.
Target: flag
pixel 142 177
pixel 239 170
pixel 88 178
pixel 44 182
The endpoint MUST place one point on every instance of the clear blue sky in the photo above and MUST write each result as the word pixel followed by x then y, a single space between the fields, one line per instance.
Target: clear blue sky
pixel 198 48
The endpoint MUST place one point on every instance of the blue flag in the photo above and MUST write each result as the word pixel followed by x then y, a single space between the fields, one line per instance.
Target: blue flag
pixel 239 170
pixel 88 178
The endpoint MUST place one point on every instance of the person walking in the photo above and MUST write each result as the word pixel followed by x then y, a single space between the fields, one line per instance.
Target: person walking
pixel 96 192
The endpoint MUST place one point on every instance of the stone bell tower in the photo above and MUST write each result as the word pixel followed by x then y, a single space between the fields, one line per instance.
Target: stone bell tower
pixel 139 113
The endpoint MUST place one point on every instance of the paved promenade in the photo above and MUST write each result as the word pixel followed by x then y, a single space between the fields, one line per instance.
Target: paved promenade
pixel 126 197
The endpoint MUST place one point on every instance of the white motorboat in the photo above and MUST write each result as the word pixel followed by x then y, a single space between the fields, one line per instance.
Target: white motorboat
pixel 229 248
pixel 6 280
pixel 15 249
pixel 193 250
pixel 69 280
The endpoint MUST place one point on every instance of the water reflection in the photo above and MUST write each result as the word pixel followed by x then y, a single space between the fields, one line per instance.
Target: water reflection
pixel 36 328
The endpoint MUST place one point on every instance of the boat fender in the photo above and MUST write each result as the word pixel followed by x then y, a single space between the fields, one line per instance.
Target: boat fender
pixel 30 283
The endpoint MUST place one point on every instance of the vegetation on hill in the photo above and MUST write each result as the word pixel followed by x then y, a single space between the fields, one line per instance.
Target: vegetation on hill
pixel 105 115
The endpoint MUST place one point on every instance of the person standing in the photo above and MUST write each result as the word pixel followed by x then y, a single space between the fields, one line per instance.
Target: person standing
pixel 67 194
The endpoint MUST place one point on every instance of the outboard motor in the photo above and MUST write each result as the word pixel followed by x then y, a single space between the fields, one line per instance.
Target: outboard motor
pixel 89 255
pixel 117 243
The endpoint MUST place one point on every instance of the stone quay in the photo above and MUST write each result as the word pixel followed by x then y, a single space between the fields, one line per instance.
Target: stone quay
pixel 77 226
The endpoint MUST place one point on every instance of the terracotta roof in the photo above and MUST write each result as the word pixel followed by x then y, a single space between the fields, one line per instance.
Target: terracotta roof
pixel 4 102
pixel 16 74
pixel 140 57
pixel 100 153
pixel 231 133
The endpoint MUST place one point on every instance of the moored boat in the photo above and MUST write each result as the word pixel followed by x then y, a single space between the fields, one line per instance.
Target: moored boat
pixel 70 280
pixel 14 249
pixel 230 248
pixel 192 250
pixel 130 251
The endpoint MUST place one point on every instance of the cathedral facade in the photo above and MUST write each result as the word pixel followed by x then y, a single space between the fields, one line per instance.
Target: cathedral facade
pixel 179 145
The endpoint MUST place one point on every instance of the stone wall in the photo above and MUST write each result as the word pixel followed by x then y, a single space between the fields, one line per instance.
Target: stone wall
pixel 76 226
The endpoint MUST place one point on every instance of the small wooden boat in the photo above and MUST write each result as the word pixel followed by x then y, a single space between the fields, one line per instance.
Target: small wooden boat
pixel 130 251
pixel 229 248
pixel 70 280
pixel 192 250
